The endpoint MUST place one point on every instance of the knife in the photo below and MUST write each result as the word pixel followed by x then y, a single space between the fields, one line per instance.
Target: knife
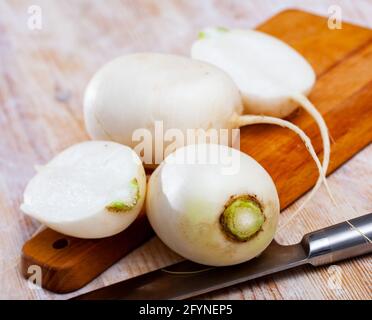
pixel 187 279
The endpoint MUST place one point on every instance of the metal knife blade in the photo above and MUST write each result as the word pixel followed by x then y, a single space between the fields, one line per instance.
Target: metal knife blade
pixel 187 279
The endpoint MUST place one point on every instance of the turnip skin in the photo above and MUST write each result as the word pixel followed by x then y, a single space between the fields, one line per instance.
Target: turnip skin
pixel 78 192
pixel 185 202
pixel 133 91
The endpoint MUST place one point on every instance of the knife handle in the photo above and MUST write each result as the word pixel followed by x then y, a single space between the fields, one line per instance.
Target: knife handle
pixel 340 241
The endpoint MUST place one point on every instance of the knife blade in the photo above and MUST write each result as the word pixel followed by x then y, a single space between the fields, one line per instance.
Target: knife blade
pixel 187 279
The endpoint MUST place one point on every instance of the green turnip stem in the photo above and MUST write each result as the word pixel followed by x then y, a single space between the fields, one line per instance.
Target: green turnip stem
pixel 123 206
pixel 242 218
pixel 244 120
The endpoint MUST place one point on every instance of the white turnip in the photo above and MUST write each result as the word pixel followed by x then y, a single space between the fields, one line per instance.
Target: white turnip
pixel 93 189
pixel 207 215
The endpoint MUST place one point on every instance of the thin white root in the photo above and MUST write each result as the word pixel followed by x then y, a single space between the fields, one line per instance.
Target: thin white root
pixel 305 103
pixel 359 231
pixel 38 230
pixel 102 128
pixel 187 272
pixel 347 221
pixel 309 107
pixel 253 119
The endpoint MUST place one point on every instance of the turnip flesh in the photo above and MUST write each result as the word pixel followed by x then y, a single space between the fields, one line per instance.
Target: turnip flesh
pixel 272 77
pixel 208 216
pixel 93 189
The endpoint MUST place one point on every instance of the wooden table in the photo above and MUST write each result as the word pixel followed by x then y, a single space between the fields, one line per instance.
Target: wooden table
pixel 42 78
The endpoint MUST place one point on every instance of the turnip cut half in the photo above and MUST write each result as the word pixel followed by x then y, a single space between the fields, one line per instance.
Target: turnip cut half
pixel 266 70
pixel 272 77
pixel 93 189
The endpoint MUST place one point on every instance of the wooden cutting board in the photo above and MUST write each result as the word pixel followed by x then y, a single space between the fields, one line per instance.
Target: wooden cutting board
pixel 342 59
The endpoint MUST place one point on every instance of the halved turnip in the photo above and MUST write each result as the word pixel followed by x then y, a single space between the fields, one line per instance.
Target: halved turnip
pixel 93 189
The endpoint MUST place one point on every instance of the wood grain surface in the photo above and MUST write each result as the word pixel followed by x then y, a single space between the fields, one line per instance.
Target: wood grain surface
pixel 69 263
pixel 42 78
pixel 347 70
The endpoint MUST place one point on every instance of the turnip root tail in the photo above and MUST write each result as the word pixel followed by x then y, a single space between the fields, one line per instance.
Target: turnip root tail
pixel 100 125
pixel 310 108
pixel 253 119
pixel 304 102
